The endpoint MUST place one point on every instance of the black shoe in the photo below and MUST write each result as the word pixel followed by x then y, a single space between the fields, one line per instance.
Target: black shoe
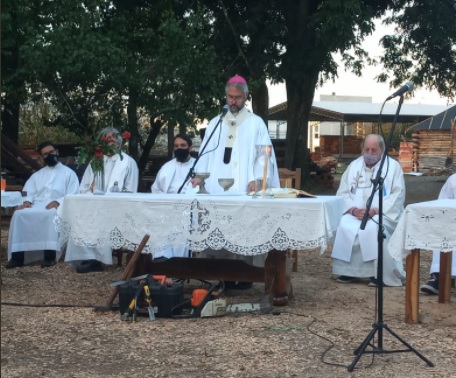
pixel 237 285
pixel 373 282
pixel 244 285
pixel 432 286
pixel 17 260
pixel 47 263
pixel 87 266
pixel 347 279
pixel 14 264
pixel 230 284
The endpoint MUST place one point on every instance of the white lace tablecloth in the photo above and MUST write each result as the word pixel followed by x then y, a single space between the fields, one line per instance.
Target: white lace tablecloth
pixel 239 224
pixel 425 225
pixel 11 199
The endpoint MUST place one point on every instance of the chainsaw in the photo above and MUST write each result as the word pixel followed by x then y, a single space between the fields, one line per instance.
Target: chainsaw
pixel 203 303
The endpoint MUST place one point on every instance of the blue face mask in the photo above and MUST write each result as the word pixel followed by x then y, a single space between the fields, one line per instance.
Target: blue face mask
pixel 371 159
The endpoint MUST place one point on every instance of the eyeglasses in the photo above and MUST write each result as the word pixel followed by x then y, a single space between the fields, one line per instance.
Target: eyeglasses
pixel 235 98
pixel 45 154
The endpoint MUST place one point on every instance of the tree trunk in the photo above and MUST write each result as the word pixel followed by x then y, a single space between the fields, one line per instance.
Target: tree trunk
pixel 170 139
pixel 156 126
pixel 10 119
pixel 260 102
pixel 301 66
pixel 300 95
pixel 132 107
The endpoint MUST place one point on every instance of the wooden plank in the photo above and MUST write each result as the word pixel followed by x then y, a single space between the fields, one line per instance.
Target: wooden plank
pixel 203 268
pixel 412 288
pixel 276 273
pixel 445 277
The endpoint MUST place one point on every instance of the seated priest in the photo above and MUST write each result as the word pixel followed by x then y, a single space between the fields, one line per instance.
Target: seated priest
pixel 448 191
pixel 32 229
pixel 355 251
pixel 120 171
pixel 172 176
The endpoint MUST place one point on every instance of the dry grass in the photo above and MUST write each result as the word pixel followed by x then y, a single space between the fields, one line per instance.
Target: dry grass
pixel 81 342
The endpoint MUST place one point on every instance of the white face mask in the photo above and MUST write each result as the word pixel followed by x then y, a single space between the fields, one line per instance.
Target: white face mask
pixel 371 159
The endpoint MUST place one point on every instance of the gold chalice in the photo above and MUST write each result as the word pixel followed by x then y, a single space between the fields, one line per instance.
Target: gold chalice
pixel 226 183
pixel 202 176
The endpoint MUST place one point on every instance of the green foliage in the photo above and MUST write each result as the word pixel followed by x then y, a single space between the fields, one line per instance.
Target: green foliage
pixel 94 149
pixel 99 63
pixel 423 47
pixel 34 129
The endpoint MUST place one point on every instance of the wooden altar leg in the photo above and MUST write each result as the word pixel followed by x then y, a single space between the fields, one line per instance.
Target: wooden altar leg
pixel 412 287
pixel 445 277
pixel 278 277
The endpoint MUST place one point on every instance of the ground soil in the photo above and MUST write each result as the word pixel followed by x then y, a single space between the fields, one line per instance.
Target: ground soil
pixel 314 336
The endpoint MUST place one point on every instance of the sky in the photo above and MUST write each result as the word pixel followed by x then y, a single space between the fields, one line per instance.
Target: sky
pixel 348 84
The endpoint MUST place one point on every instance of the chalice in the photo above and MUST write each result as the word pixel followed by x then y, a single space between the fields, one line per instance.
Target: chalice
pixel 202 176
pixel 226 183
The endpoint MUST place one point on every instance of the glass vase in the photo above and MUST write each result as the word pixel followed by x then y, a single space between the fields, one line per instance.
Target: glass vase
pixel 263 171
pixel 98 182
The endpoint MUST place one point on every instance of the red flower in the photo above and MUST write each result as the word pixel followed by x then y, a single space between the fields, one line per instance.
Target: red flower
pixel 99 154
pixel 126 135
pixel 98 149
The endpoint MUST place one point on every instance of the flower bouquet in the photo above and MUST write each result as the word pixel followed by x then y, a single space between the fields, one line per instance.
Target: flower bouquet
pixel 94 150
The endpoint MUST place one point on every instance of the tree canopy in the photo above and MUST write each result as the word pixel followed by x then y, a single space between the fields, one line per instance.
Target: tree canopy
pixel 167 60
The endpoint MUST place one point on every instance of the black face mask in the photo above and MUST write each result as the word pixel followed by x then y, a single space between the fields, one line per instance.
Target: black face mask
pixel 182 154
pixel 51 160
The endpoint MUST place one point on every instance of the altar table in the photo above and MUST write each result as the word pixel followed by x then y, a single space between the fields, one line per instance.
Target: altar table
pixel 425 226
pixel 237 223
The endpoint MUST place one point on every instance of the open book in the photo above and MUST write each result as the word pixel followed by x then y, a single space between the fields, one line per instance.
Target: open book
pixel 289 193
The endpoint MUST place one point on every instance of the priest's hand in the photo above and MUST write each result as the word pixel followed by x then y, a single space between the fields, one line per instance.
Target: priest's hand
pixel 359 213
pixel 196 181
pixel 52 205
pixel 25 205
pixel 251 187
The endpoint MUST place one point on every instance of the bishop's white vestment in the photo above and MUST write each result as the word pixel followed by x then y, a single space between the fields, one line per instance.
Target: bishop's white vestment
pixel 125 172
pixel 169 179
pixel 448 191
pixel 355 251
pixel 33 229
pixel 240 132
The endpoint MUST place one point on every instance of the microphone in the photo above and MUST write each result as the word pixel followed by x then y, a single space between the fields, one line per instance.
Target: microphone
pixel 224 111
pixel 407 87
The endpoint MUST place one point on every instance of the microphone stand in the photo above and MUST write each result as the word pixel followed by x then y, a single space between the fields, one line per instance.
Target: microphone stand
pixel 379 326
pixel 190 173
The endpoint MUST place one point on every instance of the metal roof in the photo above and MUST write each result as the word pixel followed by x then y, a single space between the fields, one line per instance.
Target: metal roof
pixel 331 111
pixel 440 121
